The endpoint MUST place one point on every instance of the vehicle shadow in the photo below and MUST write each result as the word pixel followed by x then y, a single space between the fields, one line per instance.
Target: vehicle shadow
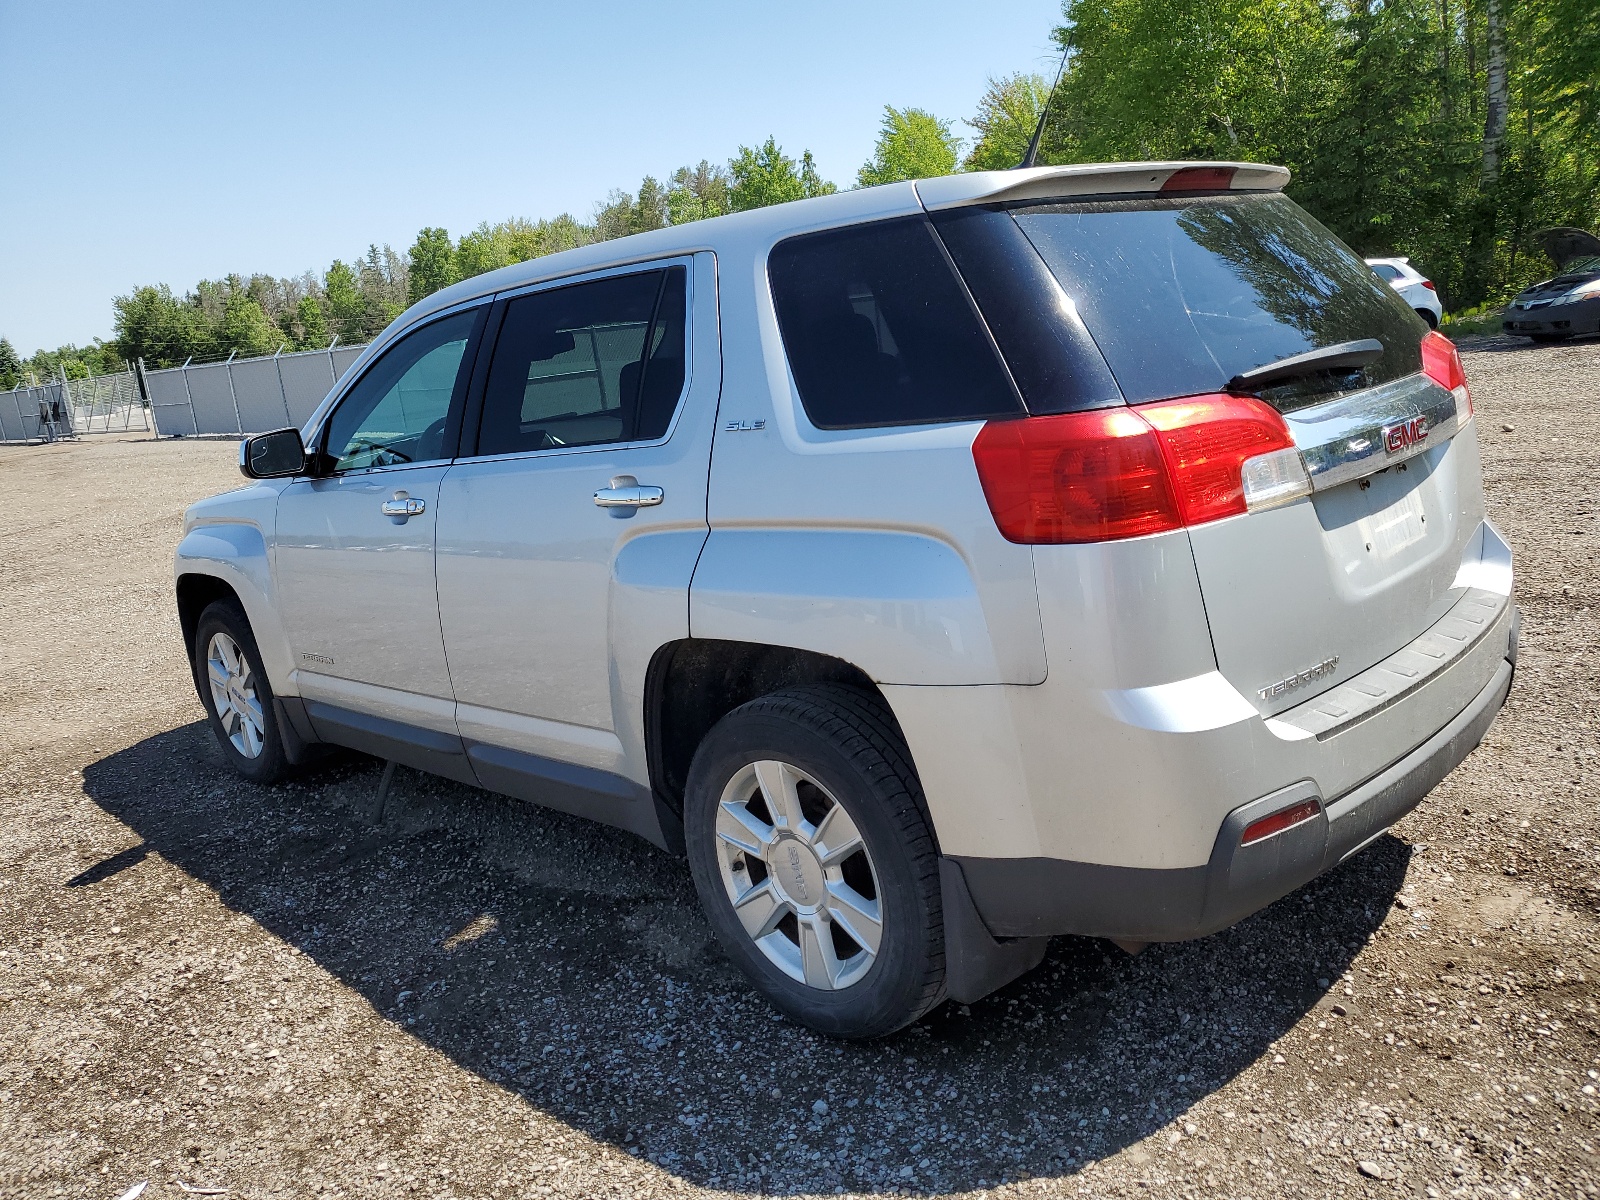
pixel 569 964
pixel 1504 343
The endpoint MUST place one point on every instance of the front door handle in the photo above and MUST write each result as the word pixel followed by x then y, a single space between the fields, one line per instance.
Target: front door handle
pixel 627 494
pixel 402 507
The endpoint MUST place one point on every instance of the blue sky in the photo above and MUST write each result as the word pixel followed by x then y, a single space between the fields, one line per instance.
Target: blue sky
pixel 165 143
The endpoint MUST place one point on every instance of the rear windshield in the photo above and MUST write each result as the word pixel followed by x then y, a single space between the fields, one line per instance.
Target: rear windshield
pixel 1183 294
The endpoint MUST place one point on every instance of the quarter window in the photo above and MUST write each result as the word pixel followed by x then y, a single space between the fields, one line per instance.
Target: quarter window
pixel 879 331
pixel 400 411
pixel 587 364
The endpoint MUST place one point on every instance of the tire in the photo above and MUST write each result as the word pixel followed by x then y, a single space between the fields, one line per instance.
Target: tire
pixel 236 684
pixel 1427 315
pixel 805 917
pixel 1546 339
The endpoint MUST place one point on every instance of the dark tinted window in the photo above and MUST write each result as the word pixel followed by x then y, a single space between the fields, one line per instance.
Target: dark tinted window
pixel 1183 294
pixel 1385 271
pixel 879 331
pixel 1050 353
pixel 591 363
pixel 400 411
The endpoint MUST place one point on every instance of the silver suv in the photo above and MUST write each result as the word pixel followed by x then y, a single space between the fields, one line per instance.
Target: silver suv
pixel 937 567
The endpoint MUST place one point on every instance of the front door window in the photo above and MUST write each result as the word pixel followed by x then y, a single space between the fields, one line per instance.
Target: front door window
pixel 399 412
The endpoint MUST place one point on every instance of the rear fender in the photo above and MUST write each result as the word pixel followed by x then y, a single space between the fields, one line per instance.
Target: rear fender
pixel 902 606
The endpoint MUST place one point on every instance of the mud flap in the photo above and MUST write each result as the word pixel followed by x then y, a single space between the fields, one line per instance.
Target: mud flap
pixel 975 963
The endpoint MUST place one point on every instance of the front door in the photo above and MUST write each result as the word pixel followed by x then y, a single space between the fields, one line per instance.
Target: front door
pixel 354 550
pixel 566 544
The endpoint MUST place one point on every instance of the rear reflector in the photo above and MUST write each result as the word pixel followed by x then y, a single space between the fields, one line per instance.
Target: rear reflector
pixel 1442 364
pixel 1287 818
pixel 1126 472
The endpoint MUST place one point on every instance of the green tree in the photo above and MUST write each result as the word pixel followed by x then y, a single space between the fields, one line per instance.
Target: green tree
pixel 695 193
pixel 152 324
pixel 622 213
pixel 1008 114
pixel 246 328
pixel 489 247
pixel 765 175
pixel 912 144
pixel 433 263
pixel 312 325
pixel 347 307
pixel 10 366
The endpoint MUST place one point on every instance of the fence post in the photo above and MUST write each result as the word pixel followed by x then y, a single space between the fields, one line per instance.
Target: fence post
pixel 146 400
pixel 282 391
pixel 190 395
pixel 238 422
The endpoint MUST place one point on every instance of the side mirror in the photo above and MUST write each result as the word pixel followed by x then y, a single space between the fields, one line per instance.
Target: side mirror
pixel 272 455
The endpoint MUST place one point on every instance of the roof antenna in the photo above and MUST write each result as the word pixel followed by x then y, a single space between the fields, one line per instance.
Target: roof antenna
pixel 1038 130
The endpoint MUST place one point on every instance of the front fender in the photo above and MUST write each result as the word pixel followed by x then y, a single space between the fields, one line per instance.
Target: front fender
pixel 236 554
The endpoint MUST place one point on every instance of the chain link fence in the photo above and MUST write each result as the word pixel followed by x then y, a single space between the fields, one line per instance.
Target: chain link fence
pixel 67 408
pixel 240 396
pixel 244 395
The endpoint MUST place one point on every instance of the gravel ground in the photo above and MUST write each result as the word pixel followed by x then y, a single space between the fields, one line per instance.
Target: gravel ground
pixel 210 985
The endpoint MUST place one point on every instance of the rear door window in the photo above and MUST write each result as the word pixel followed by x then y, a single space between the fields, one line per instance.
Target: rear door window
pixel 1181 294
pixel 587 364
pixel 879 330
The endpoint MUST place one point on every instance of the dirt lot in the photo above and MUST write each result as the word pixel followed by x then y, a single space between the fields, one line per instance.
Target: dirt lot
pixel 209 985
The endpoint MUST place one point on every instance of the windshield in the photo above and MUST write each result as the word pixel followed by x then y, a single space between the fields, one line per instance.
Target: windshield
pixel 1183 294
pixel 1577 266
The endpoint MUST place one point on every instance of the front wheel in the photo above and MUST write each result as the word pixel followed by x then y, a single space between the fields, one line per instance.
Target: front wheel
pixel 813 860
pixel 238 699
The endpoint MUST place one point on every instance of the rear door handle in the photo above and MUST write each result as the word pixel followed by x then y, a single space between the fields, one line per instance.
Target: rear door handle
pixel 627 493
pixel 403 506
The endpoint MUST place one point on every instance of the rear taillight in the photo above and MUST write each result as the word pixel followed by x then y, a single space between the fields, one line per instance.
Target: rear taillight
pixel 1428 283
pixel 1442 364
pixel 1125 472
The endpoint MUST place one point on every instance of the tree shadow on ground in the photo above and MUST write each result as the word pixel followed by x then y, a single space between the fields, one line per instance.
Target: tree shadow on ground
pixel 570 964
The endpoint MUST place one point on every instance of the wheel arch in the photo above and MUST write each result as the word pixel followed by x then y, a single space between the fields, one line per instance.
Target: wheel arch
pixel 692 683
pixel 197 591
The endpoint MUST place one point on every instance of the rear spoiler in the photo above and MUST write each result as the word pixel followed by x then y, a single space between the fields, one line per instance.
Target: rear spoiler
pixel 1098 179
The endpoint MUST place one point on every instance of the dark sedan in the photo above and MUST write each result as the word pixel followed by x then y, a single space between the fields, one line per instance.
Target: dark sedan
pixel 1567 304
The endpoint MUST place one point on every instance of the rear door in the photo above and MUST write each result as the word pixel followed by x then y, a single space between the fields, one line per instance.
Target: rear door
pixel 568 537
pixel 1182 294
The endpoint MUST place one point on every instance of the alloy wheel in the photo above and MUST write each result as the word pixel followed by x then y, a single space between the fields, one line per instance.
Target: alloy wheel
pixel 799 876
pixel 233 693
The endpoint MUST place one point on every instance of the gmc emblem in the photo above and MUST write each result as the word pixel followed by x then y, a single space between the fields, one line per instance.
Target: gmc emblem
pixel 1405 435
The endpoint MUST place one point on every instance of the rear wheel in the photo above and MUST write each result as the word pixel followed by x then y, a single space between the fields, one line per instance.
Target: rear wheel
pixel 1427 315
pixel 237 697
pixel 814 862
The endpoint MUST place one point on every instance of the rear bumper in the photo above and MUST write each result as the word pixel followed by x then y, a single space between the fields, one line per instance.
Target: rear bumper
pixel 1027 897
pixel 1555 320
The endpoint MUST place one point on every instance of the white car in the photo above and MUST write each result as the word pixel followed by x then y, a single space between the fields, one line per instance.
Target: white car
pixel 1415 288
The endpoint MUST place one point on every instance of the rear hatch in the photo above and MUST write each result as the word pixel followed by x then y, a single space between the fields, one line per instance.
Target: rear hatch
pixel 1183 294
